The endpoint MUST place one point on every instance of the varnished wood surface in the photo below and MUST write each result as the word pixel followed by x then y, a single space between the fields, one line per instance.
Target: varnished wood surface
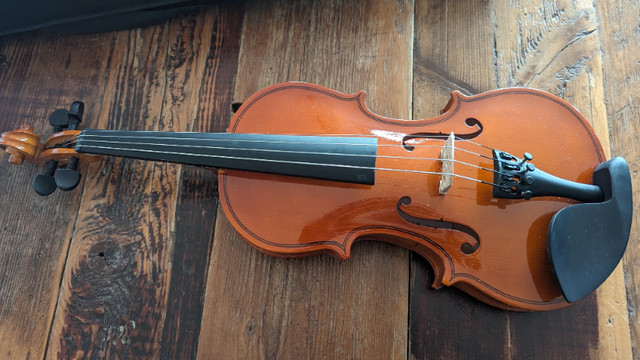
pixel 400 205
pixel 139 262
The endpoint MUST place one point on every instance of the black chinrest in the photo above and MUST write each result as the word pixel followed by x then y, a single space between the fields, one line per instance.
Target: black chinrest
pixel 586 241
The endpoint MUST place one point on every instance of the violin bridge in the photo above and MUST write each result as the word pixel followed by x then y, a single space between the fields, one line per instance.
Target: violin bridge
pixel 446 157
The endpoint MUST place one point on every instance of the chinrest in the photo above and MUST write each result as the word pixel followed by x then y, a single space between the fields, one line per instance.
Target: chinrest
pixel 587 241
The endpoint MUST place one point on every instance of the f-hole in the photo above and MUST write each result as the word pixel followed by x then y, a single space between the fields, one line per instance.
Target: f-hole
pixel 470 122
pixel 466 247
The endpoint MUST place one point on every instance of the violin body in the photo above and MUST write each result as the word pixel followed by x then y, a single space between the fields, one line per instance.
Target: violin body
pixel 494 249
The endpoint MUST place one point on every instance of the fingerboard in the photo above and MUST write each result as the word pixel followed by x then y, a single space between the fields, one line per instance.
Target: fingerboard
pixel 338 158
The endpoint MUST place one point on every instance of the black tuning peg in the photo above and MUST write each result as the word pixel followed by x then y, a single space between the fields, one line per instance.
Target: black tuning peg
pixel 44 184
pixel 68 178
pixel 59 119
pixel 75 114
pixel 62 119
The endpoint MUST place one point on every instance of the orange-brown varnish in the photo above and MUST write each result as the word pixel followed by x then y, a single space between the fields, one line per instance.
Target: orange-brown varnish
pixel 509 268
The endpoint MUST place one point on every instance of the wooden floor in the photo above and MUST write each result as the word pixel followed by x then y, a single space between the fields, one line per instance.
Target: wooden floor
pixel 139 262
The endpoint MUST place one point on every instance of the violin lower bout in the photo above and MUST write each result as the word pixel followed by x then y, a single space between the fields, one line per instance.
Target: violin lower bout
pixel 287 217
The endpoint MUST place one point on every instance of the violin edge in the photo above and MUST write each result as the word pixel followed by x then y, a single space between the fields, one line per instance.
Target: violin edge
pixel 341 248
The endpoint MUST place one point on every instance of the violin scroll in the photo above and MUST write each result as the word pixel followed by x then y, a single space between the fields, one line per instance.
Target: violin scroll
pixel 21 144
pixel 57 153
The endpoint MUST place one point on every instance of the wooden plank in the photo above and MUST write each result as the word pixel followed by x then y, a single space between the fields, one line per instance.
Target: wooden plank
pixel 116 286
pixel 263 307
pixel 474 47
pixel 574 72
pixel 38 73
pixel 198 196
pixel 564 57
pixel 620 40
pixel 111 281
pixel 453 51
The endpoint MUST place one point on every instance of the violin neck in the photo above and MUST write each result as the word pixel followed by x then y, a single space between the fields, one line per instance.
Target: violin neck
pixel 345 159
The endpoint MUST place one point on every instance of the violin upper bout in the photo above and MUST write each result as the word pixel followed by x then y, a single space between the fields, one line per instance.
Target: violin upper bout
pixel 453 102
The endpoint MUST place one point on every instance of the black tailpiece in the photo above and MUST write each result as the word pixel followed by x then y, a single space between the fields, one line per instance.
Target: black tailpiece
pixel 519 179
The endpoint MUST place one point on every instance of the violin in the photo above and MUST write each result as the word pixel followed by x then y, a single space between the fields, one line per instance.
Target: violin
pixel 507 194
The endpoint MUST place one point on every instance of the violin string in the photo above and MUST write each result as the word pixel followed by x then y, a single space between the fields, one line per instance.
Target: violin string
pixel 441 137
pixel 70 143
pixel 299 163
pixel 74 139
pixel 66 144
pixel 306 142
pixel 306 152
pixel 294 141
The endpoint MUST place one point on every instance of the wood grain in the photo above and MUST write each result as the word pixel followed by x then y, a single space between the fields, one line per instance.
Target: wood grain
pixel 117 285
pixel 620 39
pixel 198 195
pixel 553 47
pixel 138 262
pixel 130 262
pixel 264 307
pixel 38 74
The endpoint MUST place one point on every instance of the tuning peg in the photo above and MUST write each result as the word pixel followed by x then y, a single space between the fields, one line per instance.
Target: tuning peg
pixel 59 119
pixel 44 184
pixel 68 178
pixel 76 111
